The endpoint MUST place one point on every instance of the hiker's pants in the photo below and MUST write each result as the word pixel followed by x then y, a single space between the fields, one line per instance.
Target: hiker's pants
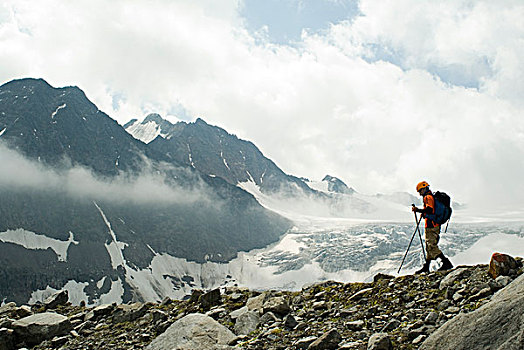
pixel 432 237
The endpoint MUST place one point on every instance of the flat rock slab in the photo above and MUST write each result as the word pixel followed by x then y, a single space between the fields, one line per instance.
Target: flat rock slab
pixel 194 331
pixel 36 328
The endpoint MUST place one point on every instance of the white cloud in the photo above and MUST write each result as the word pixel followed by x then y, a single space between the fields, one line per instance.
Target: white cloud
pixel 361 102
pixel 18 172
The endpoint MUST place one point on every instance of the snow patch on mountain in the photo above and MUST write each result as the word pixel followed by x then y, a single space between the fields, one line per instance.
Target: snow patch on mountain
pixel 31 240
pixel 58 109
pixel 316 249
pixel 145 132
pixel 115 248
pixel 74 288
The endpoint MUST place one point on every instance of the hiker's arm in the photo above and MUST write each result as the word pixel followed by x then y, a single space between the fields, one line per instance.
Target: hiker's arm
pixel 426 210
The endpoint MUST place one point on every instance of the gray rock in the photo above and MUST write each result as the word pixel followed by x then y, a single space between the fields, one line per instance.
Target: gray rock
pixel 209 299
pixel 39 327
pixel 360 294
pixel 381 276
pixel 23 311
pixel 277 305
pixel 7 308
pixel 268 318
pixel 391 325
pixel 320 305
pixel 129 312
pixel 235 314
pixel 495 325
pixel 303 343
pixel 418 340
pixel 481 294
pixel 453 276
pixel 444 304
pixel 194 331
pixel 257 303
pixel 59 341
pixel 290 322
pixel 380 341
pixel 357 325
pixel 57 299
pixel 431 318
pixel 503 281
pixel 452 310
pixel 329 340
pixel 158 316
pixel 247 323
pixel 99 312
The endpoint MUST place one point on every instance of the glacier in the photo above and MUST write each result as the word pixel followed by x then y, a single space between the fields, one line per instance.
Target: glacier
pixel 318 248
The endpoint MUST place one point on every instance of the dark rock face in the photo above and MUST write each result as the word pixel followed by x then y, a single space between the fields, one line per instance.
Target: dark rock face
pixel 215 152
pixel 60 129
pixel 61 126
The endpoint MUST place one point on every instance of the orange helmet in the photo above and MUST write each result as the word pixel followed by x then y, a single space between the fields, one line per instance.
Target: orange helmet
pixel 422 185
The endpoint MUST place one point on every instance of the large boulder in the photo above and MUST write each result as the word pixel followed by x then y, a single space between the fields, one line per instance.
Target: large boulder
pixel 329 340
pixel 497 325
pixel 129 312
pixel 209 299
pixel 36 328
pixel 380 341
pixel 247 323
pixel 502 265
pixel 194 331
pixel 57 299
pixel 277 305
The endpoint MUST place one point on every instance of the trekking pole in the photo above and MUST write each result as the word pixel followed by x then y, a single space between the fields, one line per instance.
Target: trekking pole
pixel 413 236
pixel 420 236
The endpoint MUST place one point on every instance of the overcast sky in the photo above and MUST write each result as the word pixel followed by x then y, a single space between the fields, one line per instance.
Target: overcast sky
pixel 382 94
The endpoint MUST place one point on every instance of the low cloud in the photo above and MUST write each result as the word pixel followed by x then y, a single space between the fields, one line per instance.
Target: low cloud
pixel 149 187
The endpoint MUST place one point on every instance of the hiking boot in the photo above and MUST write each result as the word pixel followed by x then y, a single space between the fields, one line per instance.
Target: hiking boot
pixel 424 268
pixel 446 264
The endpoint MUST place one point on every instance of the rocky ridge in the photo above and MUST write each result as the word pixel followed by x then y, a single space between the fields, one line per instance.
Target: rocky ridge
pixel 388 313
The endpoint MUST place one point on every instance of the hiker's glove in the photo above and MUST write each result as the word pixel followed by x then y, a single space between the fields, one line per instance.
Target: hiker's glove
pixel 416 210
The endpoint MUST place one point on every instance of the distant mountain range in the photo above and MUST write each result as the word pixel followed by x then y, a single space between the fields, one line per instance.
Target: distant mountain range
pixel 72 174
pixel 143 211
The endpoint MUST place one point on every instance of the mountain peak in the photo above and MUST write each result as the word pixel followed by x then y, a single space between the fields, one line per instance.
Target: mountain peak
pixel 337 185
pixel 27 81
pixel 153 117
pixel 200 121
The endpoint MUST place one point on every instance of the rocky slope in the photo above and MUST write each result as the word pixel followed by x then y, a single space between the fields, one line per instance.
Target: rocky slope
pixel 388 313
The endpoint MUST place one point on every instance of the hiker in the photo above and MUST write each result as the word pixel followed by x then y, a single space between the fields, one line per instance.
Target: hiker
pixel 432 230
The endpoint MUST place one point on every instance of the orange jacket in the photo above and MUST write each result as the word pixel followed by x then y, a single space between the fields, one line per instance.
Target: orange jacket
pixel 429 203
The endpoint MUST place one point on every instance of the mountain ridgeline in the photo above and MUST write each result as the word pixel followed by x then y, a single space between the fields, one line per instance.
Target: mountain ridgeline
pixel 213 151
pixel 73 177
